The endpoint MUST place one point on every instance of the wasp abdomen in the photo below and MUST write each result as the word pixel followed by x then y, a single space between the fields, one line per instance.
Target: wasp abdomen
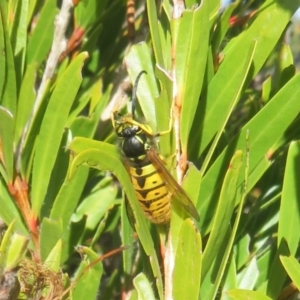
pixel 152 193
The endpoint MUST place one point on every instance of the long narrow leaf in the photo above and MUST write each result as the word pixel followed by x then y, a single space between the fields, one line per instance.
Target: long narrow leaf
pixel 292 267
pixel 289 218
pixel 223 213
pixel 52 128
pixel 188 259
pixel 191 53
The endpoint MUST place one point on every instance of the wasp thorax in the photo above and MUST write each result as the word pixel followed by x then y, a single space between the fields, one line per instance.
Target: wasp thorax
pixel 134 145
pixel 130 131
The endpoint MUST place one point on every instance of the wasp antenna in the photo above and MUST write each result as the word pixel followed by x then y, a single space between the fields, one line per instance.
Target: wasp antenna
pixel 133 99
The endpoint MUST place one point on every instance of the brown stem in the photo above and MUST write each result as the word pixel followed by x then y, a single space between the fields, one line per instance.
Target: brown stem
pixel 19 191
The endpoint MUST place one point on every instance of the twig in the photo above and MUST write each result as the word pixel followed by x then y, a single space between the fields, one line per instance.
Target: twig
pixel 178 8
pixel 59 45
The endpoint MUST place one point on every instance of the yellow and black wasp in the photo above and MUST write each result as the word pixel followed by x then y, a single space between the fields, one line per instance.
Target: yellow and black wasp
pixel 154 186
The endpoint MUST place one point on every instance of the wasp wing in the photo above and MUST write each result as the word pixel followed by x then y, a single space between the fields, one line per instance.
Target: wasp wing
pixel 129 210
pixel 172 184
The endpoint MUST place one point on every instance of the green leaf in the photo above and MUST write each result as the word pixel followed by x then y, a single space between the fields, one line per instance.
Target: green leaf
pixel 51 233
pixel 67 198
pixel 25 100
pixel 84 17
pixel 19 36
pixel 214 8
pixel 40 43
pixel 154 31
pixel 263 265
pixel 191 3
pixel 163 106
pixel 248 277
pixel 277 275
pixel 222 94
pixel 235 97
pixel 240 294
pixel 266 89
pixel 31 135
pixel 13 247
pixel 9 212
pixel 133 295
pixel 143 287
pixel 94 207
pixel 187 268
pixel 192 182
pixel 285 69
pixel 229 278
pixel 53 260
pixel 31 10
pixel 222 26
pixel 3 29
pixel 16 251
pixel 191 47
pixel 8 85
pixel 191 185
pixel 5 240
pixel 210 284
pixel 292 267
pixel 6 139
pixel 52 128
pixel 223 213
pixel 216 273
pixel 127 234
pixel 289 218
pixel 88 276
pixel 137 60
pixel 241 250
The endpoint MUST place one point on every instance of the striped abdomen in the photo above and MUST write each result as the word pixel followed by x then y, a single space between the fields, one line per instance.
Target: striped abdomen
pixel 152 193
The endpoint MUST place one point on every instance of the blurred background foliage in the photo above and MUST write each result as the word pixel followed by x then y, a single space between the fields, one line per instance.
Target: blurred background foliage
pixel 232 73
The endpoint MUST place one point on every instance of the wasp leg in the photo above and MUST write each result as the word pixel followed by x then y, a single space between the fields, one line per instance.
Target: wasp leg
pixel 112 117
pixel 164 132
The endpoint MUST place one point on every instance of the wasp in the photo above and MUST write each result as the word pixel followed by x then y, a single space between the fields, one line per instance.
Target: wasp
pixel 154 186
